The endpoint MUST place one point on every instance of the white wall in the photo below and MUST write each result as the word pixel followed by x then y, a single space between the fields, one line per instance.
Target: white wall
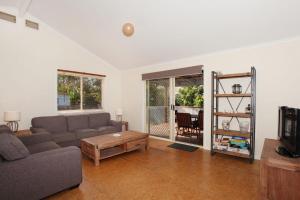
pixel 29 60
pixel 278 69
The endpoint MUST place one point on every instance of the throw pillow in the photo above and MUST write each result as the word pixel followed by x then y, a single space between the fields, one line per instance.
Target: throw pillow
pixel 11 147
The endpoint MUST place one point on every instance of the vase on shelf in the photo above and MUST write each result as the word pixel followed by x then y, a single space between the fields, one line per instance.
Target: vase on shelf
pixel 244 126
pixel 226 125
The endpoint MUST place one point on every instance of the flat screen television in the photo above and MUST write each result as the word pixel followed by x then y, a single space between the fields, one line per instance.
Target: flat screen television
pixel 289 131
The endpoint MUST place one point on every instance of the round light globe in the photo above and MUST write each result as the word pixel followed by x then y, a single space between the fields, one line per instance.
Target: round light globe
pixel 128 29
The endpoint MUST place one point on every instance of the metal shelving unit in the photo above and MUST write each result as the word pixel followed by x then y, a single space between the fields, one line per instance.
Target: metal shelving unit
pixel 235 114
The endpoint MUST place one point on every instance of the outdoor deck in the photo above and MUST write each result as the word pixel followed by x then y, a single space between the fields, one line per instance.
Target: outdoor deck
pixel 163 130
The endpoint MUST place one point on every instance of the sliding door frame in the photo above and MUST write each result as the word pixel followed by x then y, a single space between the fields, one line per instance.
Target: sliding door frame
pixel 172 128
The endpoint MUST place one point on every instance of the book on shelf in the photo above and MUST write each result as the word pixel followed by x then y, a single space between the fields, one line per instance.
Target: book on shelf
pixel 232 144
pixel 231 149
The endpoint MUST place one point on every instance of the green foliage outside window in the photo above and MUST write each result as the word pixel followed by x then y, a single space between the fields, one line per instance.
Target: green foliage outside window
pixel 190 96
pixel 69 91
pixel 91 93
pixel 158 91
pixel 69 87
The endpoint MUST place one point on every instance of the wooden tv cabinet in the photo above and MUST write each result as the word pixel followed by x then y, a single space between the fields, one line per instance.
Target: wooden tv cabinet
pixel 279 175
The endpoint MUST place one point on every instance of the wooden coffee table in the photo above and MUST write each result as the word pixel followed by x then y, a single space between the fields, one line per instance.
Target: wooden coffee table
pixel 108 145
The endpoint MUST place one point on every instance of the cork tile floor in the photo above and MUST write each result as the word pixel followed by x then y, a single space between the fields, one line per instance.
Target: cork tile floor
pixel 167 174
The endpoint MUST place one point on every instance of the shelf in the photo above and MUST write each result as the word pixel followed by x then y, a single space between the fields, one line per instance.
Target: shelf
pixel 233 95
pixel 238 75
pixel 109 152
pixel 231 133
pixel 227 114
pixel 235 113
pixel 231 153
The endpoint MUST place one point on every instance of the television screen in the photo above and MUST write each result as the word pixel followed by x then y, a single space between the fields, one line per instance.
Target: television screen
pixel 289 130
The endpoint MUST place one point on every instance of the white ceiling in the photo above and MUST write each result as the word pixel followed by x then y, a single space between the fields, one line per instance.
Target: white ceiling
pixel 166 30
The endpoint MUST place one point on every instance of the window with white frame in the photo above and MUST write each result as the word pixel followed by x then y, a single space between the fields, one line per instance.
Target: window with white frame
pixel 78 91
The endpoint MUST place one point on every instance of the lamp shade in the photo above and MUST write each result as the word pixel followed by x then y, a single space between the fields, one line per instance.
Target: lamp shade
pixel 119 112
pixel 12 116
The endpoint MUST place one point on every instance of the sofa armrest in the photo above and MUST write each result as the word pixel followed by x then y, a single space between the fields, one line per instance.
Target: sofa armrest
pixel 40 175
pixel 36 138
pixel 5 129
pixel 37 130
pixel 116 124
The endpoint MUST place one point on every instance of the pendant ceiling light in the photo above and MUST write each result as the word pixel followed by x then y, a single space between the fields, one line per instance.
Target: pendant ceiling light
pixel 128 29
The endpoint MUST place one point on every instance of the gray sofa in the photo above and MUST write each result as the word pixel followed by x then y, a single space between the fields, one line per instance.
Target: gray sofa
pixel 34 167
pixel 68 130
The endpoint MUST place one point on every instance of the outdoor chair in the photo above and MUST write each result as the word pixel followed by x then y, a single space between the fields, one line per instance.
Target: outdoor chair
pixel 184 124
pixel 198 125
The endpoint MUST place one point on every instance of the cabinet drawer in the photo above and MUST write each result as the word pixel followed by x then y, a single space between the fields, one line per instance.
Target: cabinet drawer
pixel 136 144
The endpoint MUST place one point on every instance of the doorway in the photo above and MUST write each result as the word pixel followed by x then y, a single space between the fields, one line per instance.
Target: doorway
pixel 189 109
pixel 174 109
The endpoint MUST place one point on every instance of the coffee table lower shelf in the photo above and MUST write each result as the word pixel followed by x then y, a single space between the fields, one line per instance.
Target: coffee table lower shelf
pixel 96 153
pixel 113 151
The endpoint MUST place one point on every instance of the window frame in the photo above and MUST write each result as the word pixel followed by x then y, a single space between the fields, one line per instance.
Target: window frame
pixel 81 75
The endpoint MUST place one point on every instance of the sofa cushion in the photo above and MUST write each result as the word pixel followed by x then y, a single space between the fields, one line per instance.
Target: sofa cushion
pixel 11 148
pixel 117 124
pixel 85 133
pixel 99 119
pixel 77 122
pixel 36 138
pixel 63 137
pixel 107 129
pixel 54 124
pixel 41 147
pixel 86 130
pixel 70 143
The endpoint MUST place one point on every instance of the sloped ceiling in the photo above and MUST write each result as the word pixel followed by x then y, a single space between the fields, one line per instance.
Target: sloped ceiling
pixel 166 29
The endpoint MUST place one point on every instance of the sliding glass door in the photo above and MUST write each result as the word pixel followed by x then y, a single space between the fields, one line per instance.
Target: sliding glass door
pixel 189 109
pixel 158 107
pixel 174 108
